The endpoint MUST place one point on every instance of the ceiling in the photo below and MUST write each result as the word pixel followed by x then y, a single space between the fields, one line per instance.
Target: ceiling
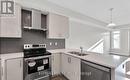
pixel 99 9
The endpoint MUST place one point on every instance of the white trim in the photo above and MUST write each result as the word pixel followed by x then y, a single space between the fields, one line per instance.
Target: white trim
pixel 54 8
pixel 124 26
pixel 89 23
pixel 95 45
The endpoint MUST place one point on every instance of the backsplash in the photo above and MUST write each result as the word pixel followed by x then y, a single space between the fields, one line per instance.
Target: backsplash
pixel 12 45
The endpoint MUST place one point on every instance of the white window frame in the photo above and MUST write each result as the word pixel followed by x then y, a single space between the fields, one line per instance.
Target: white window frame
pixel 117 32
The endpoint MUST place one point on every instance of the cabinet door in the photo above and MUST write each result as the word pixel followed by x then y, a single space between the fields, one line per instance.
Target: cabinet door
pixel 36 19
pixel 26 18
pixel 14 69
pixel 58 26
pixel 56 63
pixel 70 67
pixel 65 66
pixel 75 68
pixel 11 25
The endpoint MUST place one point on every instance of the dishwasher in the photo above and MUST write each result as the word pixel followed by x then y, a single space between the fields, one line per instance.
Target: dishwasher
pixel 0 70
pixel 92 71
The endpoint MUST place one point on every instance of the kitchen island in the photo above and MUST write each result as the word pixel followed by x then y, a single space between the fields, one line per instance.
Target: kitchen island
pixel 114 62
pixel 64 62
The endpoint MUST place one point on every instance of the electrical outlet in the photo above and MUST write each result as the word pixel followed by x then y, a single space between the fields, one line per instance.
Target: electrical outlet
pixel 50 43
pixel 56 43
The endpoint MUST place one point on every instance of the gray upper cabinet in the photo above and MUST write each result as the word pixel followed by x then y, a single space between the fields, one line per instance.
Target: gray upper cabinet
pixel 58 26
pixel 33 19
pixel 44 20
pixel 10 26
pixel 26 18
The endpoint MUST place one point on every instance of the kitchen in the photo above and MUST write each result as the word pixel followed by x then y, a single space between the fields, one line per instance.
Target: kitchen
pixel 45 37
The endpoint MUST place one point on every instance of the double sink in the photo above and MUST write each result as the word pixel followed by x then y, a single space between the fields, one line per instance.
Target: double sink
pixel 77 53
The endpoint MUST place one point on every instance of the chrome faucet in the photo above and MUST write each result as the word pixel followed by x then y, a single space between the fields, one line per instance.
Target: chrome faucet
pixel 81 49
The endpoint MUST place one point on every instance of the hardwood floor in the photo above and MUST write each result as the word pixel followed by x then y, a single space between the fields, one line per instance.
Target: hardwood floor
pixel 58 77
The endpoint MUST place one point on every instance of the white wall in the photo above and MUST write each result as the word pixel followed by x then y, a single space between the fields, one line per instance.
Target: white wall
pixel 124 43
pixel 106 37
pixel 83 35
pixel 45 5
pixel 80 34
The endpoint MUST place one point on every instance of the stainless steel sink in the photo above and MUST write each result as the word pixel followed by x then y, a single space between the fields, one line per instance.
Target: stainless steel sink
pixel 78 53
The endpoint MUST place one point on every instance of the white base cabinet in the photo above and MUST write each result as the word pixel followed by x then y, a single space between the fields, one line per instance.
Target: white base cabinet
pixel 12 69
pixel 56 60
pixel 70 67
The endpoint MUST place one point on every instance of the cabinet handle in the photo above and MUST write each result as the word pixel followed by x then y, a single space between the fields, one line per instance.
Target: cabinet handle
pixel 69 60
pixel 2 71
pixel 20 63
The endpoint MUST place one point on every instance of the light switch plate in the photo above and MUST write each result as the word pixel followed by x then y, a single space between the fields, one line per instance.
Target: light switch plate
pixel 56 43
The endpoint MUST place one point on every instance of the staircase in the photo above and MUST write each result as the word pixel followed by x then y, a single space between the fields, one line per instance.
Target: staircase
pixel 97 47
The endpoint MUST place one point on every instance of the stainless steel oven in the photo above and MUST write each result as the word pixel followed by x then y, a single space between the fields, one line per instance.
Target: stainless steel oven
pixel 37 63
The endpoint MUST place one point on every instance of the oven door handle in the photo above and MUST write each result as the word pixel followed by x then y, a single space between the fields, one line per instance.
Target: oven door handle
pixel 42 77
pixel 34 58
